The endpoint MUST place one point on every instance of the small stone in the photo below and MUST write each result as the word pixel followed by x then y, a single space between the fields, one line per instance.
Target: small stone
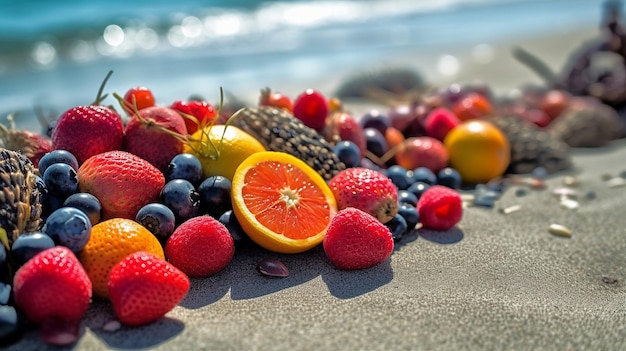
pixel 570 181
pixel 510 209
pixel 565 192
pixel 536 184
pixel 559 230
pixel 540 173
pixel 609 279
pixel 607 176
pixel 590 195
pixel 112 325
pixel 568 203
pixel 272 267
pixel 519 192
pixel 616 182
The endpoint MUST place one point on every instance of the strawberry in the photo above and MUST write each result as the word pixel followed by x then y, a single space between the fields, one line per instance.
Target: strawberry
pixel 31 145
pixel 311 108
pixel 200 246
pixel 144 287
pixel 439 122
pixel 274 99
pixel 356 240
pixel 367 190
pixel 422 151
pixel 156 135
pixel 88 130
pixel 121 181
pixel 54 291
pixel 342 126
pixel 196 113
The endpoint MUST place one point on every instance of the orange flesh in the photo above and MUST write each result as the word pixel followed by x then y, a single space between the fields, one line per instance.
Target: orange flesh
pixel 296 208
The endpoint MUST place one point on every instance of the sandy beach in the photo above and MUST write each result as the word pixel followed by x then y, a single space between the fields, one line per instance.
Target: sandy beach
pixel 495 282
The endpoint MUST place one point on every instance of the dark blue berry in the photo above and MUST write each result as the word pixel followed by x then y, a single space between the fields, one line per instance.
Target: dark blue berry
pixel 68 226
pixel 26 246
pixel 57 156
pixel 215 196
pixel 184 166
pixel 375 119
pixel 540 172
pixel 449 177
pixel 231 223
pixel 5 293
pixel 5 274
pixel 407 197
pixel 158 219
pixel 400 176
pixel 418 188
pixel 182 198
pixel 410 214
pixel 348 153
pixel 61 179
pixel 86 203
pixel 424 175
pixel 11 325
pixel 398 227
pixel 375 141
pixel 51 203
pixel 367 163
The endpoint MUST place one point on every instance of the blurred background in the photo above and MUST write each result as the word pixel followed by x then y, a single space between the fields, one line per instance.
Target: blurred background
pixel 54 54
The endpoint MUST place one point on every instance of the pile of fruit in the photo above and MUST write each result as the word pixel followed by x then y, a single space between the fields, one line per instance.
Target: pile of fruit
pixel 127 207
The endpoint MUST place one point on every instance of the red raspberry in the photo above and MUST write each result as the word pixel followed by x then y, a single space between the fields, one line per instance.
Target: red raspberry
pixel 144 287
pixel 311 108
pixel 357 240
pixel 439 122
pixel 440 208
pixel 200 246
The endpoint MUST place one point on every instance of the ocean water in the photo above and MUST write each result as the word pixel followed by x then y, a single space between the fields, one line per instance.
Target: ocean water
pixel 54 54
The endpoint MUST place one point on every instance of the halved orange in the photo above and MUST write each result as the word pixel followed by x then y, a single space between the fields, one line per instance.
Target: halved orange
pixel 282 203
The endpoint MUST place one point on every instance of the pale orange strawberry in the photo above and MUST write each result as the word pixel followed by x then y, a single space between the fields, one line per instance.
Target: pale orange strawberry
pixel 122 182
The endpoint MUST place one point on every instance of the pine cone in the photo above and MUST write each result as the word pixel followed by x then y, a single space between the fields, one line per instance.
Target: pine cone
pixel 20 198
pixel 532 147
pixel 592 125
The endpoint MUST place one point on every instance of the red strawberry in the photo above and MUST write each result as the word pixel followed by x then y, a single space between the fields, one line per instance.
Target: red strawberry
pixel 311 108
pixel 122 182
pixel 144 287
pixel 439 122
pixel 203 113
pixel 88 130
pixel 54 291
pixel 422 151
pixel 356 240
pixel 31 145
pixel 156 135
pixel 440 208
pixel 200 246
pixel 342 126
pixel 367 190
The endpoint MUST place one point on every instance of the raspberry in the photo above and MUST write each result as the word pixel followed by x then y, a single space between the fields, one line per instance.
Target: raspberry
pixel 357 240
pixel 440 208
pixel 439 122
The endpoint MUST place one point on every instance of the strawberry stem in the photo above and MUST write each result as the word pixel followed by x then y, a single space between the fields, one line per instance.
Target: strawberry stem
pixel 100 97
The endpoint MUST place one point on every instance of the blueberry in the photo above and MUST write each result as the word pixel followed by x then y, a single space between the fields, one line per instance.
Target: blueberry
pixel 375 142
pixel 5 293
pixel 398 227
pixel 215 195
pixel 348 153
pixel 418 188
pixel 485 197
pixel 184 166
pixel 68 226
pixel 375 119
pixel 400 176
pixel 182 198
pixel 61 179
pixel 540 172
pixel 158 219
pixel 410 214
pixel 11 325
pixel 57 156
pixel 449 177
pixel 5 276
pixel 51 203
pixel 407 197
pixel 86 203
pixel 231 223
pixel 26 246
pixel 367 163
pixel 425 175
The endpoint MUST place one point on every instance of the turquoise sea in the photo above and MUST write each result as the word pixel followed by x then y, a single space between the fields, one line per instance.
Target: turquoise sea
pixel 54 54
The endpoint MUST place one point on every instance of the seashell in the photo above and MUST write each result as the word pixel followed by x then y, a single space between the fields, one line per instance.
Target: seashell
pixel 559 230
pixel 272 267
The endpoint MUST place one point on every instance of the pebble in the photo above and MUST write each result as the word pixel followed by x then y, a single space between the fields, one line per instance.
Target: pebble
pixel 609 279
pixel 570 181
pixel 519 192
pixel 568 203
pixel 616 182
pixel 565 192
pixel 510 209
pixel 112 325
pixel 272 268
pixel 559 230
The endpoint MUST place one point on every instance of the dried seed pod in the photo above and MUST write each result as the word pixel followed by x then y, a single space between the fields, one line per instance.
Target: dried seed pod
pixel 20 208
pixel 532 147
pixel 279 130
pixel 592 125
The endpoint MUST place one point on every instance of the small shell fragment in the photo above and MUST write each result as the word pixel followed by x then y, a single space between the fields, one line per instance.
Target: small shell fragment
pixel 568 203
pixel 272 267
pixel 570 181
pixel 616 182
pixel 565 192
pixel 559 230
pixel 112 325
pixel 510 209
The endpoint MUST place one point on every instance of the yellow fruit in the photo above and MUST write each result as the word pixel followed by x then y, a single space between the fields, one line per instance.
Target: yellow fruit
pixel 282 203
pixel 109 243
pixel 221 149
pixel 478 150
